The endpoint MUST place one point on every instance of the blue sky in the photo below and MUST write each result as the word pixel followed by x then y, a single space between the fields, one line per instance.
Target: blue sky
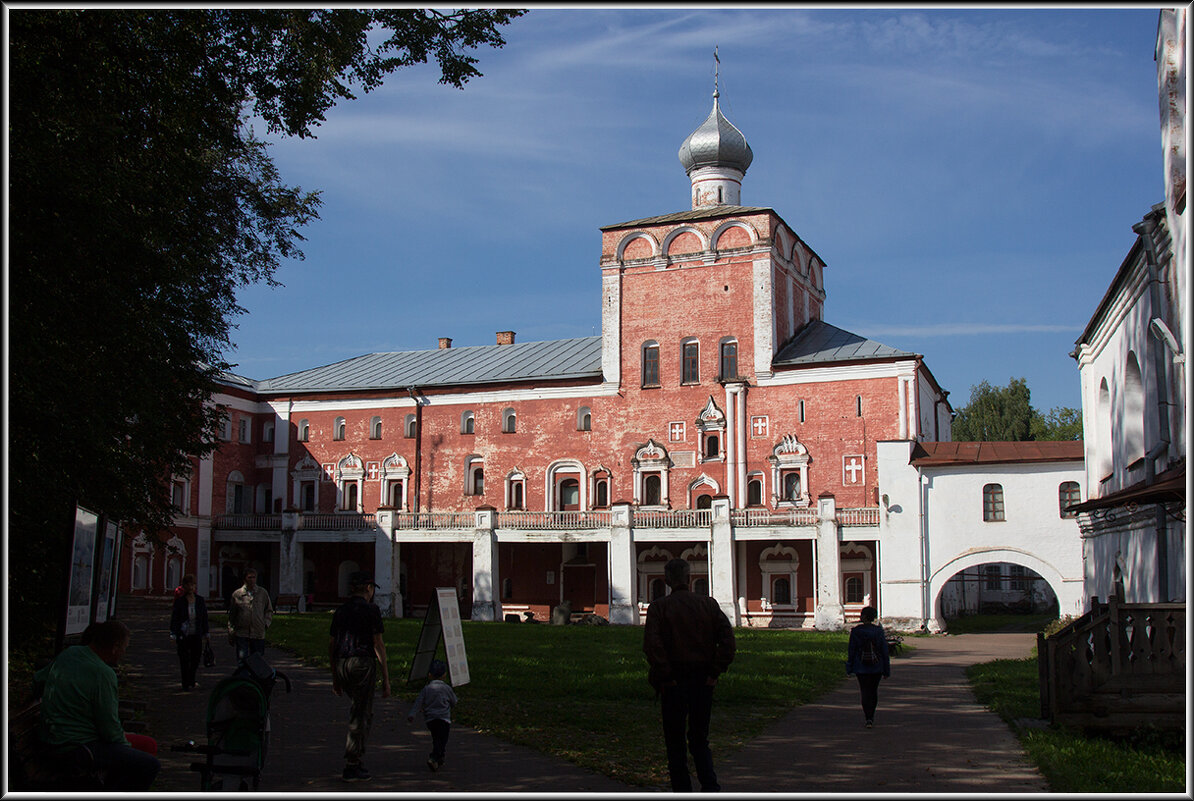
pixel 969 176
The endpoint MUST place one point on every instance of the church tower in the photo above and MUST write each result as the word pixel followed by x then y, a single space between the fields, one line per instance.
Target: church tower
pixel 722 283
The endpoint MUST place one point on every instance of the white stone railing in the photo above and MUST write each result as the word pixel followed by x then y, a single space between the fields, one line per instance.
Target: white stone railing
pixel 248 522
pixel 675 518
pixel 864 516
pixel 334 522
pixel 543 521
pixel 747 518
pixel 435 521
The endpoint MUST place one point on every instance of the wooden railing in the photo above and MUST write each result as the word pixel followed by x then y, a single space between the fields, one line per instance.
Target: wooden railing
pixel 1117 665
pixel 543 521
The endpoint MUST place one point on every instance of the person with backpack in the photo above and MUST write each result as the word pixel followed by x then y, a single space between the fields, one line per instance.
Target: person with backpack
pixel 867 658
pixel 357 651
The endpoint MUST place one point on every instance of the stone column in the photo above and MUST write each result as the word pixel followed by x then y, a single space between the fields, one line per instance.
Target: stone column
pixel 623 568
pixel 721 559
pixel 290 556
pixel 486 603
pixel 383 563
pixel 829 614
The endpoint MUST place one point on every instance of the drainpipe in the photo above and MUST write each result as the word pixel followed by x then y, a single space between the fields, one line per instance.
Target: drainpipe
pixel 1145 229
pixel 418 446
pixel 925 572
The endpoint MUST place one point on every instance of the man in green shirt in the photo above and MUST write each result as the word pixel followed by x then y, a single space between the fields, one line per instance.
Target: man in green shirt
pixel 80 708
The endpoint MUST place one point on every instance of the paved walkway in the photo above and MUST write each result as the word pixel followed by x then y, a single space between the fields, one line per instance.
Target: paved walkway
pixel 929 735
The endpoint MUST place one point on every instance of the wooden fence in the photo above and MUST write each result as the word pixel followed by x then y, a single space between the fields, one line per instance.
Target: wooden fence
pixel 1119 666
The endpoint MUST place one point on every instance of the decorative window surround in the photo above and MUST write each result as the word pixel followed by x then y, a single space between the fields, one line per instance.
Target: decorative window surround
pixel 790 454
pixel 651 458
pixel 350 484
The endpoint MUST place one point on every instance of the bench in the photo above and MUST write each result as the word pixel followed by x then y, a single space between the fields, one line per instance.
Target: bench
pixel 287 603
pixel 33 767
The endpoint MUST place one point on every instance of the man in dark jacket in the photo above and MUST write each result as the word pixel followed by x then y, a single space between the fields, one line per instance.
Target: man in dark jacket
pixel 688 642
pixel 356 650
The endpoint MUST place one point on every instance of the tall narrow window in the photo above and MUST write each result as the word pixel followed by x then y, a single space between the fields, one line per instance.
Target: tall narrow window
pixel 854 590
pixel 729 360
pixel 569 495
pixel 651 364
pixel 509 421
pixel 375 428
pixel 243 430
pixel 691 363
pixel 516 500
pixel 350 496
pixel 792 486
pixel 267 432
pixel 408 426
pixel 467 423
pixel 712 446
pixel 993 502
pixel 802 411
pixel 478 481
pixel 338 429
pixel 304 431
pixel 1068 494
pixel 651 490
pixel 754 492
pixel 396 494
pixel 781 590
pixel 858 406
pixel 601 493
pixel 308 496
pixel 584 419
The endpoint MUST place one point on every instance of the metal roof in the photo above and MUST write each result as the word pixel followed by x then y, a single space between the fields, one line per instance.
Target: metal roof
pixel 708 212
pixel 937 454
pixel 485 364
pixel 822 343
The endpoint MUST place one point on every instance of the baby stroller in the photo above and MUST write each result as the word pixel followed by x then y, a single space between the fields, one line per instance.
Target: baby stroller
pixel 237 728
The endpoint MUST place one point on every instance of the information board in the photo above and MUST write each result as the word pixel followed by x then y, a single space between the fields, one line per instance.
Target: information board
pixel 442 622
pixel 82 570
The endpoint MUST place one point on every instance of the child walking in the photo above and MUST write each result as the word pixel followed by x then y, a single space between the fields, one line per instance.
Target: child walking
pixel 436 699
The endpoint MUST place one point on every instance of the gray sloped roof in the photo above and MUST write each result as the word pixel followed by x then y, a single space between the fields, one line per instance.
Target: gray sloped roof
pixel 822 343
pixel 706 212
pixel 485 364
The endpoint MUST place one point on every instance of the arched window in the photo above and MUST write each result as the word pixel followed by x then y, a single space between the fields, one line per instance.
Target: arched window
pixel 267 432
pixel 712 446
pixel 375 428
pixel 729 360
pixel 858 406
pixel 509 421
pixel 237 500
pixel 704 501
pixel 792 486
pixel 781 590
pixel 601 493
pixel 516 499
pixel 651 364
pixel 584 419
pixel 1068 494
pixel 350 497
pixel 993 502
pixel 338 429
pixel 754 492
pixel 307 494
pixel 474 476
pixel 1133 419
pixel 304 431
pixel 854 590
pixel 1103 444
pixel 651 490
pixel 690 362
pixel 397 493
pixel 408 426
pixel 467 422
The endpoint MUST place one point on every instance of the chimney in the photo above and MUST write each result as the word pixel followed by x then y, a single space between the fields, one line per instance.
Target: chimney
pixel 445 343
pixel 505 337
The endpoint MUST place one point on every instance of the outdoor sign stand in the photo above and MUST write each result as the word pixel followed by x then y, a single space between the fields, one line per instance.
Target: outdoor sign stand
pixel 89 584
pixel 443 620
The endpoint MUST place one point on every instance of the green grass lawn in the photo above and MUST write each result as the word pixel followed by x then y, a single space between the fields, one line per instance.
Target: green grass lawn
pixel 1072 762
pixel 560 689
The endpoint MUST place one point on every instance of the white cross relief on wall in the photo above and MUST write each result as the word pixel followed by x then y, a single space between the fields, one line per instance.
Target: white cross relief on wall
pixel 374 468
pixel 676 432
pixel 758 426
pixel 329 472
pixel 852 469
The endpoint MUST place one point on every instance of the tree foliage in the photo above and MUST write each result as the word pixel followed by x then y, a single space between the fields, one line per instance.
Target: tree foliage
pixel 1006 414
pixel 140 201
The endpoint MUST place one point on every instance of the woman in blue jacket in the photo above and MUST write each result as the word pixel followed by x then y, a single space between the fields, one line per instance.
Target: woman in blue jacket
pixel 867 659
pixel 188 629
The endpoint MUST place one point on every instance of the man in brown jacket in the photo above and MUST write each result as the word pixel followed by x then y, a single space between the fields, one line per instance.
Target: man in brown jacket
pixel 688 642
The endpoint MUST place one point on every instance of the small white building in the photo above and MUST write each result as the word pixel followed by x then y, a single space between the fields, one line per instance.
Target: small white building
pixel 951 507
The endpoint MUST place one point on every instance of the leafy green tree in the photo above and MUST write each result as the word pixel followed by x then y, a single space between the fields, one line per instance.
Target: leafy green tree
pixel 1059 423
pixel 140 201
pixel 1005 414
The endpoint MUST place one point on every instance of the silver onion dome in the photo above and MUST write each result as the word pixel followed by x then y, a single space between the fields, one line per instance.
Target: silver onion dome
pixel 715 143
